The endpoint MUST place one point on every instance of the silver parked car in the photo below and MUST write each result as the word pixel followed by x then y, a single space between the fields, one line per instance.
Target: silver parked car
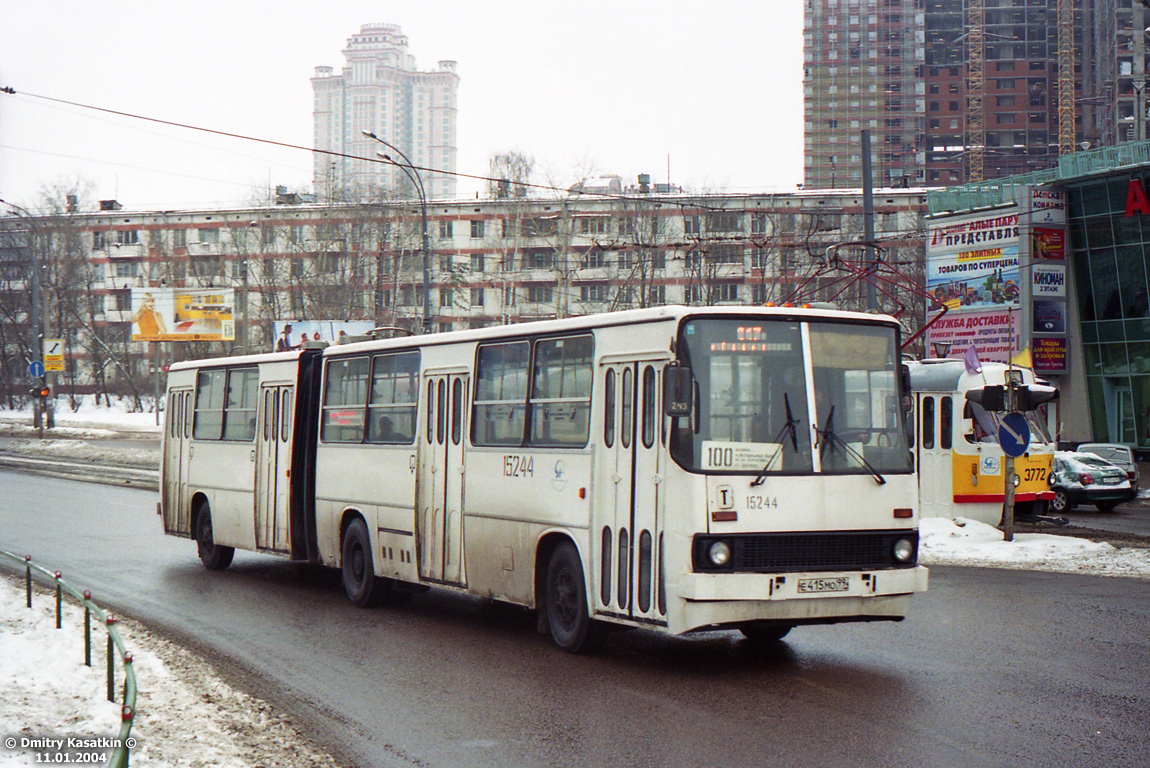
pixel 1116 453
pixel 1083 478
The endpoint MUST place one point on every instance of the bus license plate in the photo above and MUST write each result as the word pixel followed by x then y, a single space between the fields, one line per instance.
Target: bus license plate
pixel 838 584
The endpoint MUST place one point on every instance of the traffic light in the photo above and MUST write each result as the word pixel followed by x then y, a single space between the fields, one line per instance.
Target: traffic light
pixel 991 397
pixel 1029 398
pixel 1026 398
pixel 41 390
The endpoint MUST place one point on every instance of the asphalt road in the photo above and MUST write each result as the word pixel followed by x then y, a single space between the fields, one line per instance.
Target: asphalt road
pixel 992 668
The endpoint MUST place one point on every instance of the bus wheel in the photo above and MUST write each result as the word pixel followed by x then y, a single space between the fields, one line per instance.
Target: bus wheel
pixel 764 633
pixel 567 617
pixel 363 587
pixel 213 556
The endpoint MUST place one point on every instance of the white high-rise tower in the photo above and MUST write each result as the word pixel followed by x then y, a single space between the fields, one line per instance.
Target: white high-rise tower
pixel 380 91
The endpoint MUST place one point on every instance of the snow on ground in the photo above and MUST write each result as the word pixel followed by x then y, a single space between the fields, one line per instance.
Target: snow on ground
pixel 185 714
pixel 188 715
pixel 968 542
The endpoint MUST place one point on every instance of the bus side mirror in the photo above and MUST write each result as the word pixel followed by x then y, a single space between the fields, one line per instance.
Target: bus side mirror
pixel 678 390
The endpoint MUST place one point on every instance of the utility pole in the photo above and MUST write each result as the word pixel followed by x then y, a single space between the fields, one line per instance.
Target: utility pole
pixel 868 220
pixel 1010 402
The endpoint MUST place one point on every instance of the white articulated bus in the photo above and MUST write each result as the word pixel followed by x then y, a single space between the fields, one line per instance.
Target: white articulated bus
pixel 675 468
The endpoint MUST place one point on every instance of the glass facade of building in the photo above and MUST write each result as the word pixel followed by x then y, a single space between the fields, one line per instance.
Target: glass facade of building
pixel 1108 252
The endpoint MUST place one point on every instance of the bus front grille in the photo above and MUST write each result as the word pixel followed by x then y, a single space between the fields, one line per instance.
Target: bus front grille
pixel 783 552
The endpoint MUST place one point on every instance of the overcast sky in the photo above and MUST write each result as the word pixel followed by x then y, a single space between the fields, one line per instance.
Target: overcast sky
pixel 614 87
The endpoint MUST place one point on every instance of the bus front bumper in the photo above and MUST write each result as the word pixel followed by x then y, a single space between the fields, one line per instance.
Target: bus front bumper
pixel 727 599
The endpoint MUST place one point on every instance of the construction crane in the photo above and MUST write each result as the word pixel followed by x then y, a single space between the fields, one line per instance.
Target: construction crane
pixel 975 89
pixel 1066 112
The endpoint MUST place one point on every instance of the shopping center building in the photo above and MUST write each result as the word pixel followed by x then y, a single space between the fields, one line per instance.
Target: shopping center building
pixel 1054 266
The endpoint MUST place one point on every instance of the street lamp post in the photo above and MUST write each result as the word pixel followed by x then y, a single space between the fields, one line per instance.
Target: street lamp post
pixel 408 168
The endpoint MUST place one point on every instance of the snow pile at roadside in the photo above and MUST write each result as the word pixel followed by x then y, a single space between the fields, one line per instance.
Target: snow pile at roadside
pixel 960 541
pixel 185 714
pixel 84 450
pixel 94 420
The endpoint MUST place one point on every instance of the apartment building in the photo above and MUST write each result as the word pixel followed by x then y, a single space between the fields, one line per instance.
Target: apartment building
pixel 380 90
pixel 491 261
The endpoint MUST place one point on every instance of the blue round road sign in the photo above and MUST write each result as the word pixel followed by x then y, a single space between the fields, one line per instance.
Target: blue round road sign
pixel 36 369
pixel 1014 434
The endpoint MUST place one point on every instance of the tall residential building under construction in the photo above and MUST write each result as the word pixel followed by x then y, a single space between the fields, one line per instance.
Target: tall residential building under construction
pixel 380 91
pixel 954 91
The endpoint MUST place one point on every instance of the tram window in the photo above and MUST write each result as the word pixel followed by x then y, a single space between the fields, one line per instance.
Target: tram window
pixel 561 391
pixel 609 411
pixel 648 407
pixel 344 400
pixel 499 407
pixel 391 412
pixel 240 411
pixel 928 422
pixel 945 422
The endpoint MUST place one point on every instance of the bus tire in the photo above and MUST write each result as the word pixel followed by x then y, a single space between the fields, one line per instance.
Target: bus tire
pixel 765 633
pixel 364 589
pixel 212 555
pixel 566 604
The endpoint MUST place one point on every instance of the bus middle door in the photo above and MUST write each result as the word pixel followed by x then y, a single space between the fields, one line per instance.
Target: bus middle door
pixel 273 465
pixel 439 519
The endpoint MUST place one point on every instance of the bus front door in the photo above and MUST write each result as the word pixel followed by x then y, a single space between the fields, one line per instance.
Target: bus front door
pixel 273 467
pixel 629 538
pixel 441 466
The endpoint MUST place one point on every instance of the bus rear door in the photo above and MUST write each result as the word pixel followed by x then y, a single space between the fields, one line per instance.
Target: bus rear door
pixel 179 430
pixel 440 482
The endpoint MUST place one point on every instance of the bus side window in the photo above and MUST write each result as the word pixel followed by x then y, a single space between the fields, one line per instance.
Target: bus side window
pixel 928 422
pixel 499 405
pixel 946 422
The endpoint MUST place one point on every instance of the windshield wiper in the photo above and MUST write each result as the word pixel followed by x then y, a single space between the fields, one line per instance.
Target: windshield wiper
pixel 790 426
pixel 827 437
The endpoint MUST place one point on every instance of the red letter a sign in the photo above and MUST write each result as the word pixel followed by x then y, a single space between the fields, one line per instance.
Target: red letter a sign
pixel 1136 201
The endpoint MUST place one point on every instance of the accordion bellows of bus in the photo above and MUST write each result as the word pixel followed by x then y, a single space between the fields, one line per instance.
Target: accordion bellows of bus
pixel 675 468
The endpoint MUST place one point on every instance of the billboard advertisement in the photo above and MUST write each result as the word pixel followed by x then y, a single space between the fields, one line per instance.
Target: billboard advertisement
pixel 183 314
pixel 291 334
pixel 991 333
pixel 972 262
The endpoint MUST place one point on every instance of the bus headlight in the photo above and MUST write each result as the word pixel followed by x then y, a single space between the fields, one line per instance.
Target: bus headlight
pixel 903 550
pixel 719 553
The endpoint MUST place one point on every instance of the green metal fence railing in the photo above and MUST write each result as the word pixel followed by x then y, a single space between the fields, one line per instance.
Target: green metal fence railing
pixel 115 648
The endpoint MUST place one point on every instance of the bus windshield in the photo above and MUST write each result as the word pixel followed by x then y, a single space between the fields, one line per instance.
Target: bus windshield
pixel 752 409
